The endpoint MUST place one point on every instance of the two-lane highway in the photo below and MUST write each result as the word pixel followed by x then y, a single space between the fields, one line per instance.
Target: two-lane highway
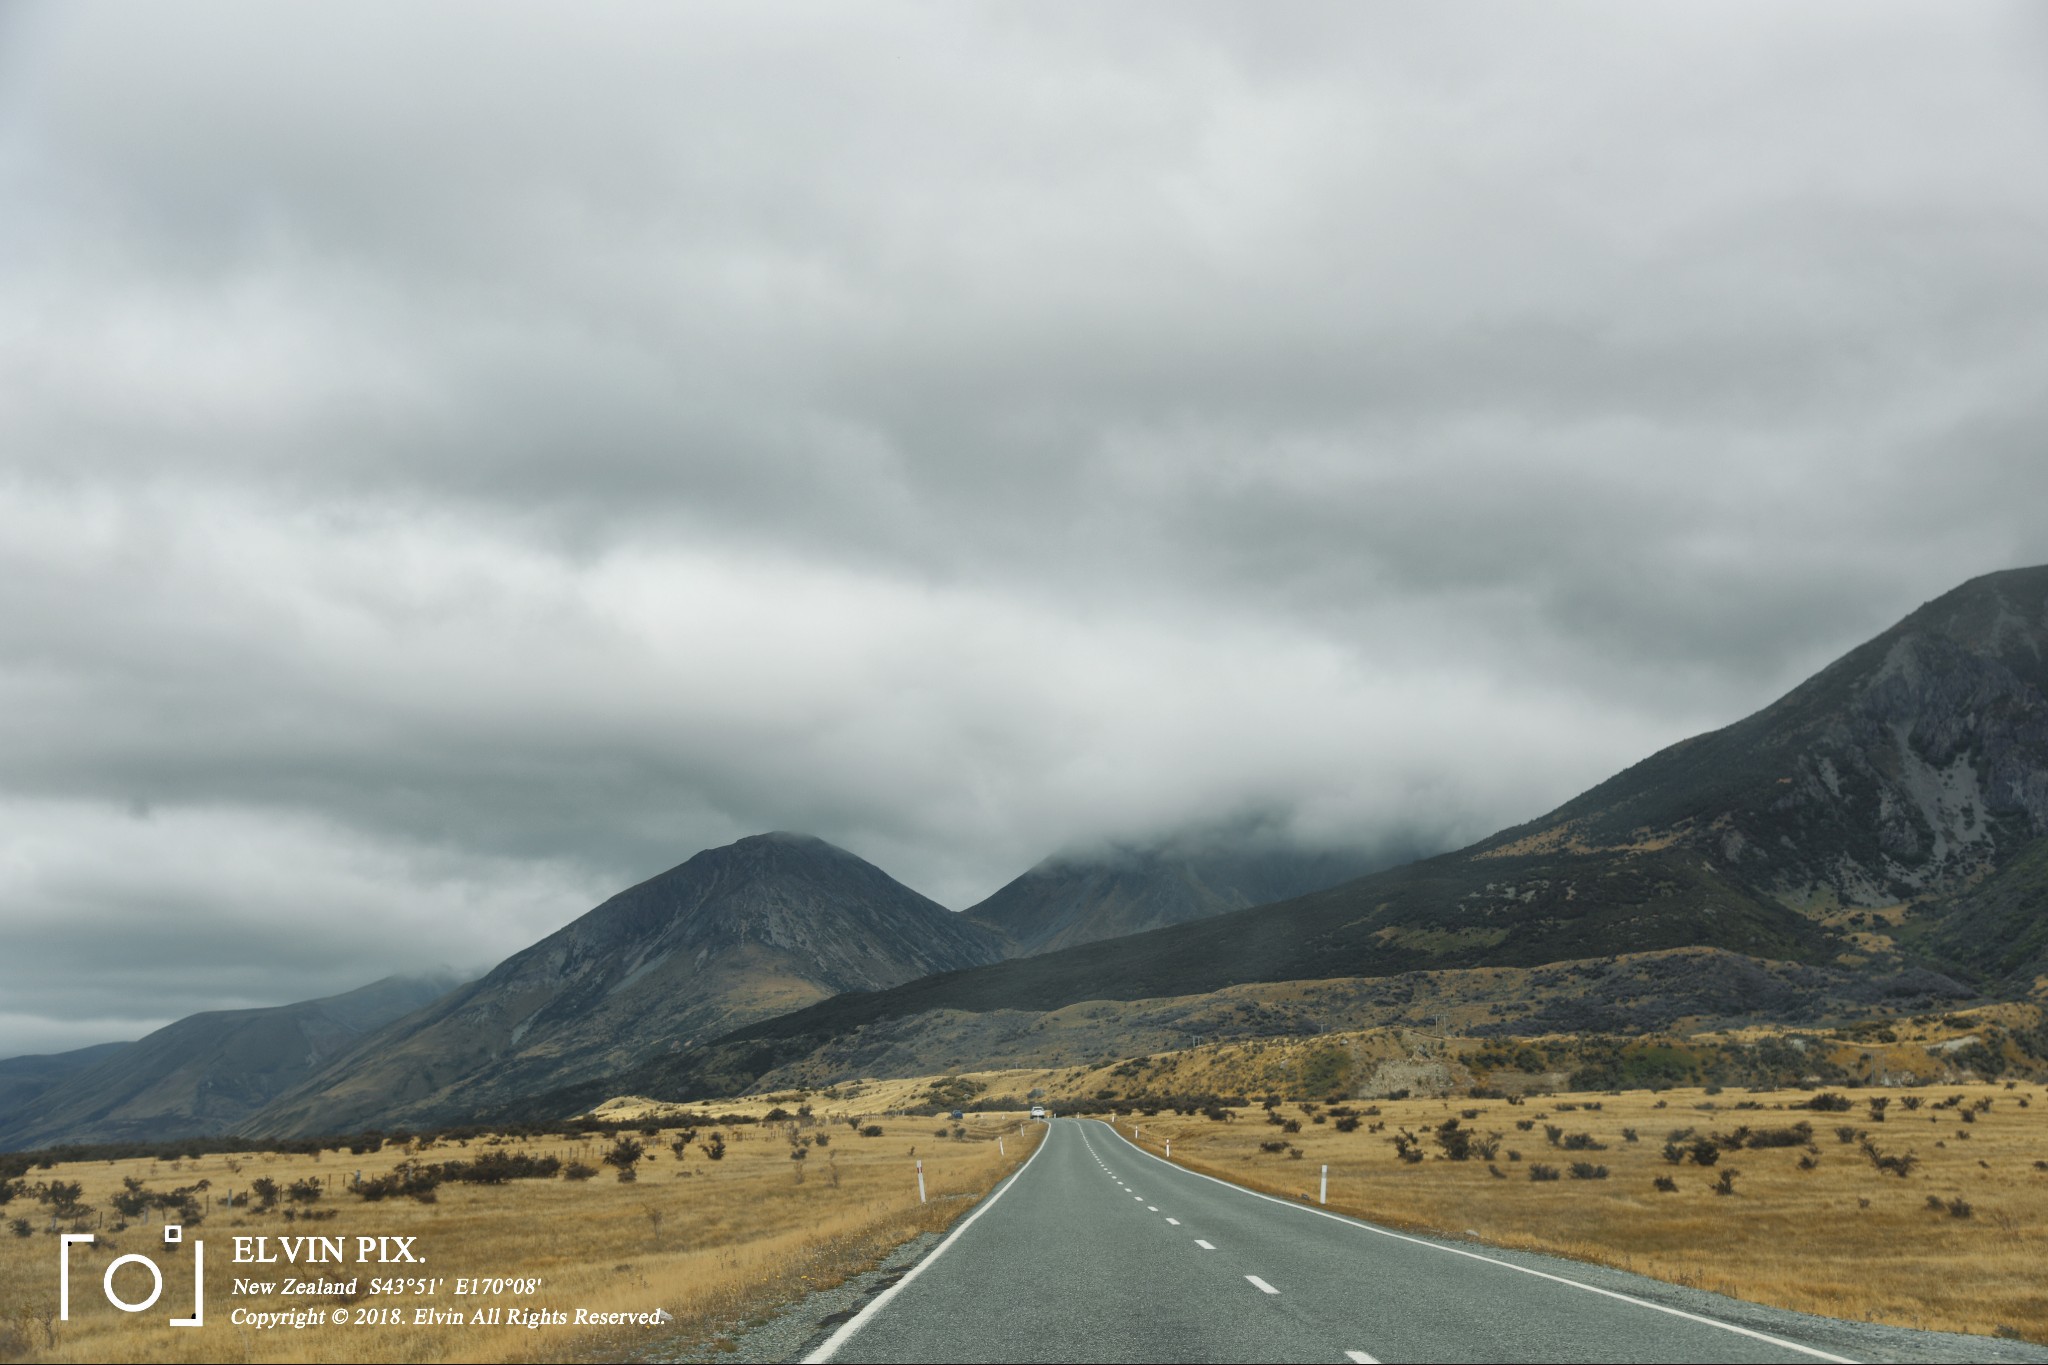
pixel 1097 1251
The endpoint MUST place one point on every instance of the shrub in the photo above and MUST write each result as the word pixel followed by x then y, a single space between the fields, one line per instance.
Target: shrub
pixel 1666 1184
pixel 495 1168
pixel 1726 1184
pixel 714 1146
pixel 625 1156
pixel 21 1227
pixel 1273 1147
pixel 1900 1166
pixel 1540 1172
pixel 306 1191
pixel 1827 1102
pixel 266 1192
pixel 1347 1124
pixel 1582 1142
pixel 872 1130
pixel 414 1181
pixel 1291 1126
pixel 576 1170
pixel 1586 1170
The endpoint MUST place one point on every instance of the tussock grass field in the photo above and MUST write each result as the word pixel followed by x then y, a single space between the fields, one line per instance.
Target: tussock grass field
pixel 715 1243
pixel 1818 1219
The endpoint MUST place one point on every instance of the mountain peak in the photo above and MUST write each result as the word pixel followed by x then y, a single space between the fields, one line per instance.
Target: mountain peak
pixel 762 925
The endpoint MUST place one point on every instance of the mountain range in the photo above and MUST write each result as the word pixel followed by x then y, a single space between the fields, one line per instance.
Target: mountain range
pixel 1879 833
pixel 1887 813
pixel 207 1072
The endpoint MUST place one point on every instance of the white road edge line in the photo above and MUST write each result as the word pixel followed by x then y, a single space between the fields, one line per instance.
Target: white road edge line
pixel 1261 1285
pixel 1359 1358
pixel 1475 1256
pixel 831 1344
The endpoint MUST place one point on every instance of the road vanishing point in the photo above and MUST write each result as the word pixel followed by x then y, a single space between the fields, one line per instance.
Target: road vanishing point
pixel 1098 1251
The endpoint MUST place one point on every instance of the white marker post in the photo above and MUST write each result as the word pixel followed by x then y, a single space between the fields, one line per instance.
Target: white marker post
pixel 1324 1197
pixel 999 1148
pixel 920 1182
pixel 1169 1149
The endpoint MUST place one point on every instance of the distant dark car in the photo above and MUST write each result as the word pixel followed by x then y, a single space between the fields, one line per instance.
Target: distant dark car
pixel 958 1115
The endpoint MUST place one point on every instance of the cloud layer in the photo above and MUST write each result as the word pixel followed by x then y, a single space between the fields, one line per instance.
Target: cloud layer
pixel 455 463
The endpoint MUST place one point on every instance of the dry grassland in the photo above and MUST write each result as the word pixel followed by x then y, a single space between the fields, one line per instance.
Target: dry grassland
pixel 714 1243
pixel 1957 1244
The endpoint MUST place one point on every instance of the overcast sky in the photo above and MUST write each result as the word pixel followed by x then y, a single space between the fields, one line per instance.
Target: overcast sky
pixel 457 462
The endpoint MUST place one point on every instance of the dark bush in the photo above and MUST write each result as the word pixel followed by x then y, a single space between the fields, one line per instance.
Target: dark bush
pixel 1540 1172
pixel 1586 1170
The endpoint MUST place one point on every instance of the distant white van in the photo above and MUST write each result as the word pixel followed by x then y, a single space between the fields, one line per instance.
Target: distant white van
pixel 1038 1111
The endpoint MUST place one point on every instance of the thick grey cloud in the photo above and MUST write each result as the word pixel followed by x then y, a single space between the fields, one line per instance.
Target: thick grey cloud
pixel 455 462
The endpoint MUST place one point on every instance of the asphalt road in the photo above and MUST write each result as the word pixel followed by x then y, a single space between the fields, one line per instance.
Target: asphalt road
pixel 1096 1251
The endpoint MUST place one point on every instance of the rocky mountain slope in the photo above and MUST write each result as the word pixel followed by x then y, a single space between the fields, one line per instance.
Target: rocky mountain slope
pixel 760 927
pixel 1085 897
pixel 207 1072
pixel 1888 812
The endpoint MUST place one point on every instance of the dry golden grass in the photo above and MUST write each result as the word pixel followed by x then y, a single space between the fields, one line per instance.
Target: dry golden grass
pixel 1842 1238
pixel 713 1243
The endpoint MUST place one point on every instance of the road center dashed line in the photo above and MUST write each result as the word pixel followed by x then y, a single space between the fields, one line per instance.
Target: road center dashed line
pixel 1360 1358
pixel 1203 1245
pixel 1261 1285
pixel 1490 1260
pixel 1174 1221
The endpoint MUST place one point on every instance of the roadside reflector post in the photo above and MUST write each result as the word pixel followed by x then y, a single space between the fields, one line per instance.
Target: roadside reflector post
pixel 920 1182
pixel 999 1148
pixel 1324 1197
pixel 1169 1149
